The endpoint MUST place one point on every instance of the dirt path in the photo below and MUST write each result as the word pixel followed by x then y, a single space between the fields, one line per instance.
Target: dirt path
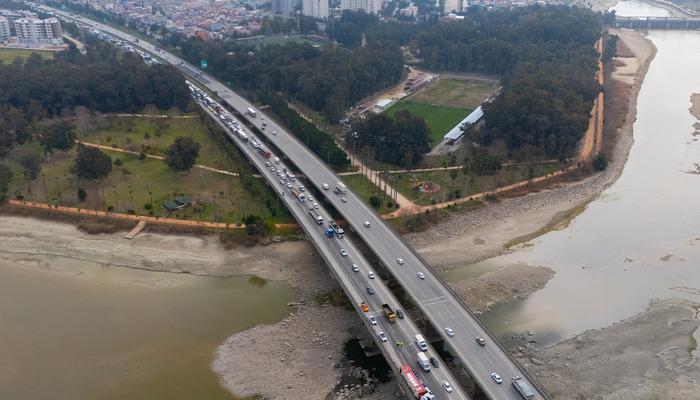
pixel 161 158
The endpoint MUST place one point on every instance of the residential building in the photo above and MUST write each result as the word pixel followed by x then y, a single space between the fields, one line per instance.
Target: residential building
pixel 370 6
pixel 315 8
pixel 285 7
pixel 5 32
pixel 34 31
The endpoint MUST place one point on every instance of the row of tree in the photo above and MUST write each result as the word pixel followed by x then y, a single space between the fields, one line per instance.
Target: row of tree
pixel 328 79
pixel 401 140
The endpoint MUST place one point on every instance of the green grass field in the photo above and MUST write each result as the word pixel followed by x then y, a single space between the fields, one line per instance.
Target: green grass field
pixel 217 197
pixel 278 40
pixel 8 56
pixel 156 135
pixel 464 184
pixel 466 94
pixel 439 119
pixel 362 186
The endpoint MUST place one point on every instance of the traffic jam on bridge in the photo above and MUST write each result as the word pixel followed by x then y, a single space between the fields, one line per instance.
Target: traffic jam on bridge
pixel 288 181
pixel 289 184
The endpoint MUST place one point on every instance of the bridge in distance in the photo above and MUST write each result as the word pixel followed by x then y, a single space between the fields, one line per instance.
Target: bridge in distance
pixel 443 308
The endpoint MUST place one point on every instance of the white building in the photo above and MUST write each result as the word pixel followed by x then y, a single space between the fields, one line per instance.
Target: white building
pixel 315 8
pixel 370 6
pixel 5 32
pixel 285 7
pixel 34 31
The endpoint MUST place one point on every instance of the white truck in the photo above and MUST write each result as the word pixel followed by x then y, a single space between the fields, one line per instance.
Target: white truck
pixel 423 361
pixel 340 187
pixel 316 216
pixel 252 112
pixel 523 388
pixel 422 344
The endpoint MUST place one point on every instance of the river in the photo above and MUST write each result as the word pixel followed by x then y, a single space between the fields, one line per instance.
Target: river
pixel 640 239
pixel 118 333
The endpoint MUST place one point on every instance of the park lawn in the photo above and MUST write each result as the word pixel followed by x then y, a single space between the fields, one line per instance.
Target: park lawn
pixel 466 94
pixel 439 119
pixel 464 185
pixel 363 187
pixel 216 197
pixel 8 56
pixel 130 133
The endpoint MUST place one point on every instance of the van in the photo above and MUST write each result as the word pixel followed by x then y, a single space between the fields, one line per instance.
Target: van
pixel 422 344
pixel 423 362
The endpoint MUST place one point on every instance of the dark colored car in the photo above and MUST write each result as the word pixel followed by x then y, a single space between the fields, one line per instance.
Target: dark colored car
pixel 434 361
pixel 399 313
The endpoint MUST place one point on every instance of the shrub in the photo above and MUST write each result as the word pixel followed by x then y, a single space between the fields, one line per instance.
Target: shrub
pixel 600 163
pixel 118 162
pixel 82 194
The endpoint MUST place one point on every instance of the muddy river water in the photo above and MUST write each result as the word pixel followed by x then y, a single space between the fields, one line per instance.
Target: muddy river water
pixel 115 333
pixel 640 239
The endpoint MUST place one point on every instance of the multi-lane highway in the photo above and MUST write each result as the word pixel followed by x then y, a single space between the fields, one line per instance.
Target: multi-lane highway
pixel 348 265
pixel 433 296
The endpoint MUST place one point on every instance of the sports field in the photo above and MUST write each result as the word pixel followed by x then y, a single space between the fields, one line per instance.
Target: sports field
pixel 467 94
pixel 439 119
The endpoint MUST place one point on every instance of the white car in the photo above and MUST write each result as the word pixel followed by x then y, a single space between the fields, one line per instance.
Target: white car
pixel 310 198
pixel 343 252
pixel 367 224
pixel 268 164
pixel 343 199
pixel 289 186
pixel 355 268
pixel 316 206
pixel 497 378
pixel 372 320
pixel 449 332
pixel 370 275
pixel 325 186
pixel 302 188
pixel 447 386
pixel 399 261
pixel 421 275
pixel 382 336
pixel 274 133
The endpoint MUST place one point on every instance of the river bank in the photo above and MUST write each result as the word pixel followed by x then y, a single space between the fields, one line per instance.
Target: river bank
pixel 501 228
pixel 286 352
pixel 649 356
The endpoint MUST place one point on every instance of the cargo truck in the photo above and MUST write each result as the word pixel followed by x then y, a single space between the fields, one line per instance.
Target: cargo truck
pixel 523 388
pixel 251 112
pixel 389 313
pixel 299 195
pixel 316 216
pixel 423 361
pixel 417 389
pixel 338 230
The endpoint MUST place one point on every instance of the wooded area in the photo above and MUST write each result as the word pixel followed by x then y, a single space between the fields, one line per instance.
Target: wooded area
pixel 328 79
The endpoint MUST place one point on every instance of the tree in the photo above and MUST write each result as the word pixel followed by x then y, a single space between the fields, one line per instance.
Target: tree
pixel 482 163
pixel 401 140
pixel 82 194
pixel 92 163
pixel 5 176
pixel 255 226
pixel 600 162
pixel 57 136
pixel 30 160
pixel 181 155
